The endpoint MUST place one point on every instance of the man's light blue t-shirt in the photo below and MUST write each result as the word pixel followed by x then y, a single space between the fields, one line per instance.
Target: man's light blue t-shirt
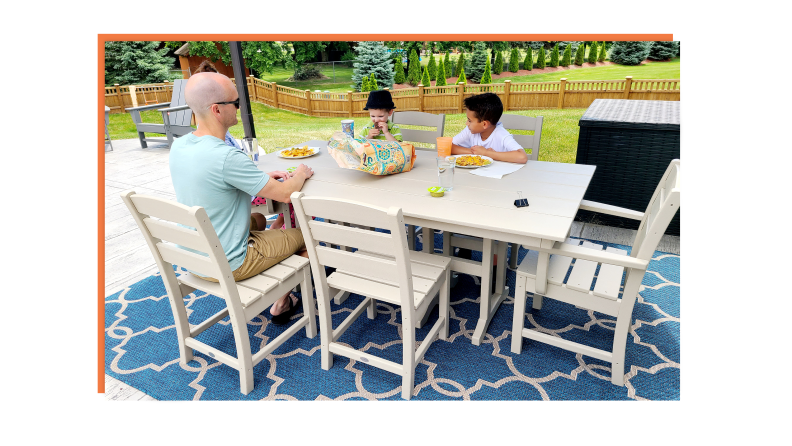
pixel 207 172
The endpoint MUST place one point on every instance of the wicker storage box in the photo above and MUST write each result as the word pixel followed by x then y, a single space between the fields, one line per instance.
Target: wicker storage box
pixel 631 142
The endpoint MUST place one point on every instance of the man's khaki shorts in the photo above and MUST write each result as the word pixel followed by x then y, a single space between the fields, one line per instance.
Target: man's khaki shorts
pixel 266 249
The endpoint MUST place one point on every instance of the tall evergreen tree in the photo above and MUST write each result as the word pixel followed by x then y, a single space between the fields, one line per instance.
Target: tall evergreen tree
pixel 629 53
pixel 528 63
pixel 580 54
pixel 414 69
pixel 498 68
pixel 372 57
pixel 447 63
pixel 129 63
pixel 567 56
pixel 460 64
pixel 398 77
pixel 554 56
pixel 425 80
pixel 541 60
pixel 461 77
pixel 593 53
pixel 514 60
pixel 477 62
pixel 441 74
pixel 432 67
pixel 602 52
pixel 486 78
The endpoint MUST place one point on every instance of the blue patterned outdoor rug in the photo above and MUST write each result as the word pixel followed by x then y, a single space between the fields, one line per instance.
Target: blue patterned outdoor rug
pixel 141 349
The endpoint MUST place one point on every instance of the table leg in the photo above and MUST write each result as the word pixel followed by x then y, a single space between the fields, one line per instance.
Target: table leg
pixel 428 240
pixel 489 303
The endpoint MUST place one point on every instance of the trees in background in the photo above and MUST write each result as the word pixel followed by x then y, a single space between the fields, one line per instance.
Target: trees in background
pixel 136 63
pixel 372 58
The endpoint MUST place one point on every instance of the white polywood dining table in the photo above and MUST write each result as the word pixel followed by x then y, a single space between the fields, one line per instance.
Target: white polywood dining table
pixel 477 206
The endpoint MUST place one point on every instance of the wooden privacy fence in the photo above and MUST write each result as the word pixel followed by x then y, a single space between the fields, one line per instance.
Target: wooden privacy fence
pixel 445 99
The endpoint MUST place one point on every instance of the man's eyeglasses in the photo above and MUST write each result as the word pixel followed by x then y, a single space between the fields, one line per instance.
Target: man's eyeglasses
pixel 236 103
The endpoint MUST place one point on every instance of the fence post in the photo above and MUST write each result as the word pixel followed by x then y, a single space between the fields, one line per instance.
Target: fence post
pixel 461 91
pixel 561 90
pixel 349 101
pixel 274 94
pixel 308 102
pixel 420 97
pixel 133 95
pixel 253 84
pixel 627 86
pixel 120 99
pixel 506 91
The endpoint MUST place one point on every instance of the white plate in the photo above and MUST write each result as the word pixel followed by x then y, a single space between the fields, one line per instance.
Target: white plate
pixel 315 151
pixel 475 167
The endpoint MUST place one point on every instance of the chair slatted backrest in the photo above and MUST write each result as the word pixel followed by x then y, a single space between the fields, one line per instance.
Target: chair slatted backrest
pixel 181 117
pixel 424 120
pixel 662 207
pixel 532 142
pixel 159 220
pixel 394 270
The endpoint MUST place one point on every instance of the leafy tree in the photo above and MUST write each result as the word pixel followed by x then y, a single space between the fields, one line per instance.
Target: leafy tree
pixel 460 63
pixel 441 74
pixel 565 60
pixel 498 68
pixel 478 62
pixel 426 80
pixel 528 63
pixel 602 51
pixel 447 64
pixel 593 53
pixel 372 58
pixel 373 82
pixel 414 69
pixel 306 51
pixel 432 67
pixel 629 53
pixel 580 55
pixel 461 76
pixel 486 78
pixel 554 56
pixel 541 59
pixel 514 60
pixel 259 56
pixel 663 50
pixel 136 63
pixel 398 77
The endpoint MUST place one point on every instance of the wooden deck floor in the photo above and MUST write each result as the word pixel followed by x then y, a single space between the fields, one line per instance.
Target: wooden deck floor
pixel 128 259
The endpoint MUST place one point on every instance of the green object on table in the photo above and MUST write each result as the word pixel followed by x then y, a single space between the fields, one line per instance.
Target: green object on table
pixel 291 169
pixel 437 191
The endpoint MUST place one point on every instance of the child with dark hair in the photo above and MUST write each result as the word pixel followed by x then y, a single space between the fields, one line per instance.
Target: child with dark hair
pixel 484 135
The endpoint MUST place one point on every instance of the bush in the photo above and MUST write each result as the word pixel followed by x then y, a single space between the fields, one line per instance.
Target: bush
pixel 441 75
pixel 460 64
pixel 432 67
pixel 498 68
pixel 602 52
pixel 629 53
pixel 593 53
pixel 373 83
pixel 528 63
pixel 580 55
pixel 486 77
pixel 305 72
pixel 349 55
pixel 477 62
pixel 398 77
pixel 540 60
pixel 365 85
pixel 414 69
pixel 514 61
pixel 462 76
pixel 567 56
pixel 554 56
pixel 425 80
pixel 447 64
pixel 663 50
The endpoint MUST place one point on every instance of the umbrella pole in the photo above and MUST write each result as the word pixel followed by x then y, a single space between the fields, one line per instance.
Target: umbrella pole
pixel 241 84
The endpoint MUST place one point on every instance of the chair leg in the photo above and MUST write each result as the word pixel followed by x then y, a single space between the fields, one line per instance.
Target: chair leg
pixel 623 321
pixel 408 361
pixel 371 311
pixel 411 237
pixel 309 307
pixel 537 301
pixel 515 250
pixel 518 320
pixel 428 240
pixel 325 327
pixel 142 137
pixel 244 355
pixel 445 293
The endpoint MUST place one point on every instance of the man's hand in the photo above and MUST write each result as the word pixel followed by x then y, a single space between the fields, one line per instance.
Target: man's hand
pixel 304 170
pixel 479 150
pixel 278 174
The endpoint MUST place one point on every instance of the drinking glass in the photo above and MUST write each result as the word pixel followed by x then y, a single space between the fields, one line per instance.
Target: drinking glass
pixel 444 146
pixel 250 147
pixel 445 171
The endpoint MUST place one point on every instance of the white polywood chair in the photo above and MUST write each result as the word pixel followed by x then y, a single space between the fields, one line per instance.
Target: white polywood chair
pixel 382 269
pixel 245 300
pixel 542 277
pixel 424 137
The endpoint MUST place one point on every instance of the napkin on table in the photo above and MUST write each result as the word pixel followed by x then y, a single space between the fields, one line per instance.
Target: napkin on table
pixel 497 169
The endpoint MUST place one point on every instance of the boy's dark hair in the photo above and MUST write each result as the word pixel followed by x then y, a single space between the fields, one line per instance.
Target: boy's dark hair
pixel 486 107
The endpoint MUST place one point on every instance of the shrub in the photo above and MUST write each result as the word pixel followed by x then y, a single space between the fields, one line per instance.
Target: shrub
pixel 447 64
pixel 486 77
pixel 514 61
pixel 425 80
pixel 540 60
pixel 441 75
pixel 373 58
pixel 373 83
pixel 554 56
pixel 398 77
pixel 460 64
pixel 462 76
pixel 349 55
pixel 414 69
pixel 477 62
pixel 592 58
pixel 663 50
pixel 305 72
pixel 528 63
pixel 602 51
pixel 567 56
pixel 432 67
pixel 365 85
pixel 498 68
pixel 629 53
pixel 580 54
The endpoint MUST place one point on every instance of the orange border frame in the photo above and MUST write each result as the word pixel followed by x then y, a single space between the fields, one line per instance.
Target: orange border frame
pixel 102 38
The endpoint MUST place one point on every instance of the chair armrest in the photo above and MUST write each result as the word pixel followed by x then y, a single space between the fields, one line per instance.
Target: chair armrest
pixel 587 205
pixel 173 109
pixel 579 252
pixel 147 107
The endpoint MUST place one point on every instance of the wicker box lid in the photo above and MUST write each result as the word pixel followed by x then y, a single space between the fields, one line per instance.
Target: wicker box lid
pixel 633 114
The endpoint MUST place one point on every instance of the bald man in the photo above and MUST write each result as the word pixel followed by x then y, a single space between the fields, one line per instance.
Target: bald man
pixel 206 172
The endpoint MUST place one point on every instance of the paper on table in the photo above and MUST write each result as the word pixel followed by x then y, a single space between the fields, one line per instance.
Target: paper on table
pixel 497 169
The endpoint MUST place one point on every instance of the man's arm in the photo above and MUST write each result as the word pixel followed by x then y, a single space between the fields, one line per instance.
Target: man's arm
pixel 281 191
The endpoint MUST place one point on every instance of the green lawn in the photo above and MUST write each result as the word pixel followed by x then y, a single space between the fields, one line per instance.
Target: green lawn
pixel 652 70
pixel 343 79
pixel 280 128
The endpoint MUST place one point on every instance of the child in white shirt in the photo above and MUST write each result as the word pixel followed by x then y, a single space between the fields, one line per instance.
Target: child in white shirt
pixel 484 135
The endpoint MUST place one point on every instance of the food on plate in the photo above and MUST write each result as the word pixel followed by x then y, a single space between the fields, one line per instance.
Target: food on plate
pixel 472 160
pixel 295 152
